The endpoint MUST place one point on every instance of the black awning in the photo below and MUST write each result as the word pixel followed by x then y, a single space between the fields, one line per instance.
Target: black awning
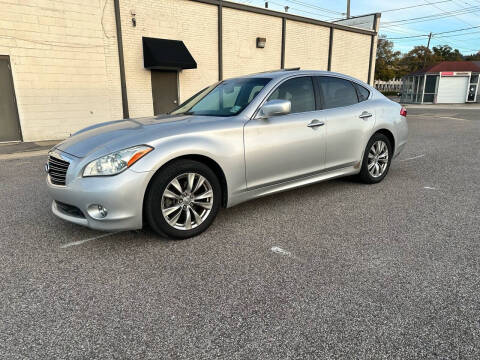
pixel 166 54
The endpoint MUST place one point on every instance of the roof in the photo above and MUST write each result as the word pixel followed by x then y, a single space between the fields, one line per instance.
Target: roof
pixel 449 66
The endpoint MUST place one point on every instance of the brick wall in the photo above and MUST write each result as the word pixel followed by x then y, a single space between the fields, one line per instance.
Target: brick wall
pixel 306 45
pixel 64 67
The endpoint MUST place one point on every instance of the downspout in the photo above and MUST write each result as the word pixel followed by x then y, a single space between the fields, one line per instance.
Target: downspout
pixel 282 51
pixel 121 60
pixel 220 40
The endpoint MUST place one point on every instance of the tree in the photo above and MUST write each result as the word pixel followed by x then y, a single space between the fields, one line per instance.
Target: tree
pixel 416 59
pixel 446 53
pixel 473 57
pixel 387 60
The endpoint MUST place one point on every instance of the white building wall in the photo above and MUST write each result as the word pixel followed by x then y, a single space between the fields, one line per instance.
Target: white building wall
pixel 64 64
pixel 192 22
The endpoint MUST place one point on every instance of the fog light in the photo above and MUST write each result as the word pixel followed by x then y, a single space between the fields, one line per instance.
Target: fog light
pixel 97 211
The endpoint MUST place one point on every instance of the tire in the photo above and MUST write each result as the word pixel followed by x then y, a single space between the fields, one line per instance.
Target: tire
pixel 371 176
pixel 170 190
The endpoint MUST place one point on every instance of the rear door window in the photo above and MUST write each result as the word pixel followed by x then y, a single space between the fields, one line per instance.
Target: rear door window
pixel 300 93
pixel 337 92
pixel 363 93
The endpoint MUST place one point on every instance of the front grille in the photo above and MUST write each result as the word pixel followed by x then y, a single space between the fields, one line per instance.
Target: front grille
pixel 57 169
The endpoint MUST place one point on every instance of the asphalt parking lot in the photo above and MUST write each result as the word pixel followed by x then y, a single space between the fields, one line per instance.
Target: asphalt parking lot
pixel 333 270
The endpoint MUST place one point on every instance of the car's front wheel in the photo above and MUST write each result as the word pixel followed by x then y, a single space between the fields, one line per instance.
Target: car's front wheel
pixel 183 199
pixel 376 159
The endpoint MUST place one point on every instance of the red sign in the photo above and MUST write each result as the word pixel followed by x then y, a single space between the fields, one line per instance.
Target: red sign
pixel 447 73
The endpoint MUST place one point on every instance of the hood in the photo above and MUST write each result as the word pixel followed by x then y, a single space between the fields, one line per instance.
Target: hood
pixel 115 135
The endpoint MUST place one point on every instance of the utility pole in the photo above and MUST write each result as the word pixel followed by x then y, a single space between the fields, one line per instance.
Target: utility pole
pixel 348 9
pixel 428 47
pixel 429 38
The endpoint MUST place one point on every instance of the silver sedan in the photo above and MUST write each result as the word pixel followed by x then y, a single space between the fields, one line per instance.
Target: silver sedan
pixel 236 140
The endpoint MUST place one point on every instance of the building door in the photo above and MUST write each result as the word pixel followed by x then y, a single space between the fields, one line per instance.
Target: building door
pixel 452 89
pixel 164 91
pixel 9 124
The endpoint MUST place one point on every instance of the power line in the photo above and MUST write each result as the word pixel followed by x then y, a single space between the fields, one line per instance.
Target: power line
pixel 456 17
pixel 448 36
pixel 298 2
pixel 434 16
pixel 414 6
pixel 443 32
pixel 296 9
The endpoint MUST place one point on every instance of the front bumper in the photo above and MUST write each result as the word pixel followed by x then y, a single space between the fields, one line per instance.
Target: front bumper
pixel 122 195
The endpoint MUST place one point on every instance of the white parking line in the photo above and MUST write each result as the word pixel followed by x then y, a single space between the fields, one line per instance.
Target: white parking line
pixel 429 188
pixel 80 242
pixel 414 157
pixel 452 118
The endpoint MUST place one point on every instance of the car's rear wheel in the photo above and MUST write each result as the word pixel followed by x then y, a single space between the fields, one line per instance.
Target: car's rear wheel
pixel 376 159
pixel 183 199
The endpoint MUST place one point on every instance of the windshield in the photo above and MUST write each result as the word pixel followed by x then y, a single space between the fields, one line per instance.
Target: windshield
pixel 226 98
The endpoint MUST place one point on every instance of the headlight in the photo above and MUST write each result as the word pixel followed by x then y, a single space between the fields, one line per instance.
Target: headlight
pixel 116 162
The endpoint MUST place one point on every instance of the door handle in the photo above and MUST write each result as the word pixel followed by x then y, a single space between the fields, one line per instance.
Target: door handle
pixel 315 123
pixel 365 115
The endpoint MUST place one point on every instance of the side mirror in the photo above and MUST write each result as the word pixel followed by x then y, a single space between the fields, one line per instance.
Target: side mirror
pixel 274 108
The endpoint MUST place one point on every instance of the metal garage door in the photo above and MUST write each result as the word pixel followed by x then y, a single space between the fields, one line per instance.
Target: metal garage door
pixel 452 89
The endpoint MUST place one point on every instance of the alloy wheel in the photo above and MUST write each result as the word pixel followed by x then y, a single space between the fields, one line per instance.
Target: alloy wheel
pixel 187 201
pixel 378 159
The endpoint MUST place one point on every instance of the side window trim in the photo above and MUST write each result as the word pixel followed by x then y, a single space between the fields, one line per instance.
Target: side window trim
pixel 320 92
pixel 354 85
pixel 357 89
pixel 271 91
pixel 283 82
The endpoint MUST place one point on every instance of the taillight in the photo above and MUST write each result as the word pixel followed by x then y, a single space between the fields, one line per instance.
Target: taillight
pixel 403 111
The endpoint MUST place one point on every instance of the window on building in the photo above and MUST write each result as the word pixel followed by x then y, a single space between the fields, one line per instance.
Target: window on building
pixel 430 88
pixel 337 92
pixel 300 93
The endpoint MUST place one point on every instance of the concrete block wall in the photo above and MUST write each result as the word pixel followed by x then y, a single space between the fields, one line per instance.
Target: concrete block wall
pixel 64 67
pixel 193 23
pixel 65 64
pixel 351 53
pixel 306 45
pixel 240 31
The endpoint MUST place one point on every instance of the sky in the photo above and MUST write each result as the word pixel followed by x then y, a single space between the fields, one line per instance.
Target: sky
pixel 451 15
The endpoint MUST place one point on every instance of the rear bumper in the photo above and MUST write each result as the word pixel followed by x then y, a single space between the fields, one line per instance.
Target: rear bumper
pixel 402 136
pixel 122 195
